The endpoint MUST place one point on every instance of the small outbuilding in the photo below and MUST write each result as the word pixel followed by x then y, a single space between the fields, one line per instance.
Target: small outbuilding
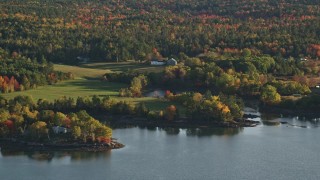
pixel 172 62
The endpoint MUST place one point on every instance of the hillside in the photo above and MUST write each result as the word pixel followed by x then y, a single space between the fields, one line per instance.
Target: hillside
pixel 142 30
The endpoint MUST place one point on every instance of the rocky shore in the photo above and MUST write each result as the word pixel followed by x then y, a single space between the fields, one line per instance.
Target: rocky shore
pixel 16 144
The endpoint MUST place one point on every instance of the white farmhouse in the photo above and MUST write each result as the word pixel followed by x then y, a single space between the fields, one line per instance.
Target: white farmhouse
pixel 158 63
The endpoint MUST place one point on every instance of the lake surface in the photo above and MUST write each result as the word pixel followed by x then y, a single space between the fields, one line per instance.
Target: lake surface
pixel 262 152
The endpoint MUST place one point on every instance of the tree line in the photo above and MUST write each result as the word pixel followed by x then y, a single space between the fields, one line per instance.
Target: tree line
pixel 19 73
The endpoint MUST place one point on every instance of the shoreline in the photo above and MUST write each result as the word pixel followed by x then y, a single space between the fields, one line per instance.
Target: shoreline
pixel 12 143
pixel 289 112
pixel 182 123
pixel 16 144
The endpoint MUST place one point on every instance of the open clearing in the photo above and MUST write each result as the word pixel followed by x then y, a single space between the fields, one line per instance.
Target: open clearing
pixel 81 72
pixel 97 70
pixel 123 66
pixel 87 83
pixel 72 88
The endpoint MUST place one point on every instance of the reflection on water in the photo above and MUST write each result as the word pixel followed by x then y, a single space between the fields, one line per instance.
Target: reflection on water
pixel 66 157
pixel 151 128
pixel 56 155
pixel 272 119
pixel 269 116
pixel 200 132
pixel 171 131
pixel 213 131
pixel 293 121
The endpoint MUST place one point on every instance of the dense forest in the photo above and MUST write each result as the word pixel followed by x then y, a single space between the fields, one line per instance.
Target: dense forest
pixel 123 30
pixel 225 49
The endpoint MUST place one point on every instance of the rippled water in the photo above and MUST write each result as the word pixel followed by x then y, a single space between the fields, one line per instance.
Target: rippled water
pixel 262 152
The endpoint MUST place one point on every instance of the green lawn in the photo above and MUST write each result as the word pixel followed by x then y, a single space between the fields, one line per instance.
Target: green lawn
pixel 81 71
pixel 87 84
pixel 124 66
pixel 71 88
pixel 84 87
pixel 96 70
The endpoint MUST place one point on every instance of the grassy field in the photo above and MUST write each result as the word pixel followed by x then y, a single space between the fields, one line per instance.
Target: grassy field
pixel 71 88
pixel 96 70
pixel 84 87
pixel 87 84
pixel 81 72
pixel 123 66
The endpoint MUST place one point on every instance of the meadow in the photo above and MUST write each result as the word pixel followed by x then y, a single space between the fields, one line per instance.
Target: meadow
pixel 71 88
pixel 123 66
pixel 88 82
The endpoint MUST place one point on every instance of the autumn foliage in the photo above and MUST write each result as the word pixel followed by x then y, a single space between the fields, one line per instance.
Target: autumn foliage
pixel 9 124
pixel 171 112
pixel 142 30
pixel 9 84
pixel 314 49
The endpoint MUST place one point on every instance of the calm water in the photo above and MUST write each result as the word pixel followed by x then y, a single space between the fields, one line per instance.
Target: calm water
pixel 263 152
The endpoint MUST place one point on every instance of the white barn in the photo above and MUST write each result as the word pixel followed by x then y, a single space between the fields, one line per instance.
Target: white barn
pixel 172 62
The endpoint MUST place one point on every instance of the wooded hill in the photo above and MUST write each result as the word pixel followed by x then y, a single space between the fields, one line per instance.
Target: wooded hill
pixel 122 30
